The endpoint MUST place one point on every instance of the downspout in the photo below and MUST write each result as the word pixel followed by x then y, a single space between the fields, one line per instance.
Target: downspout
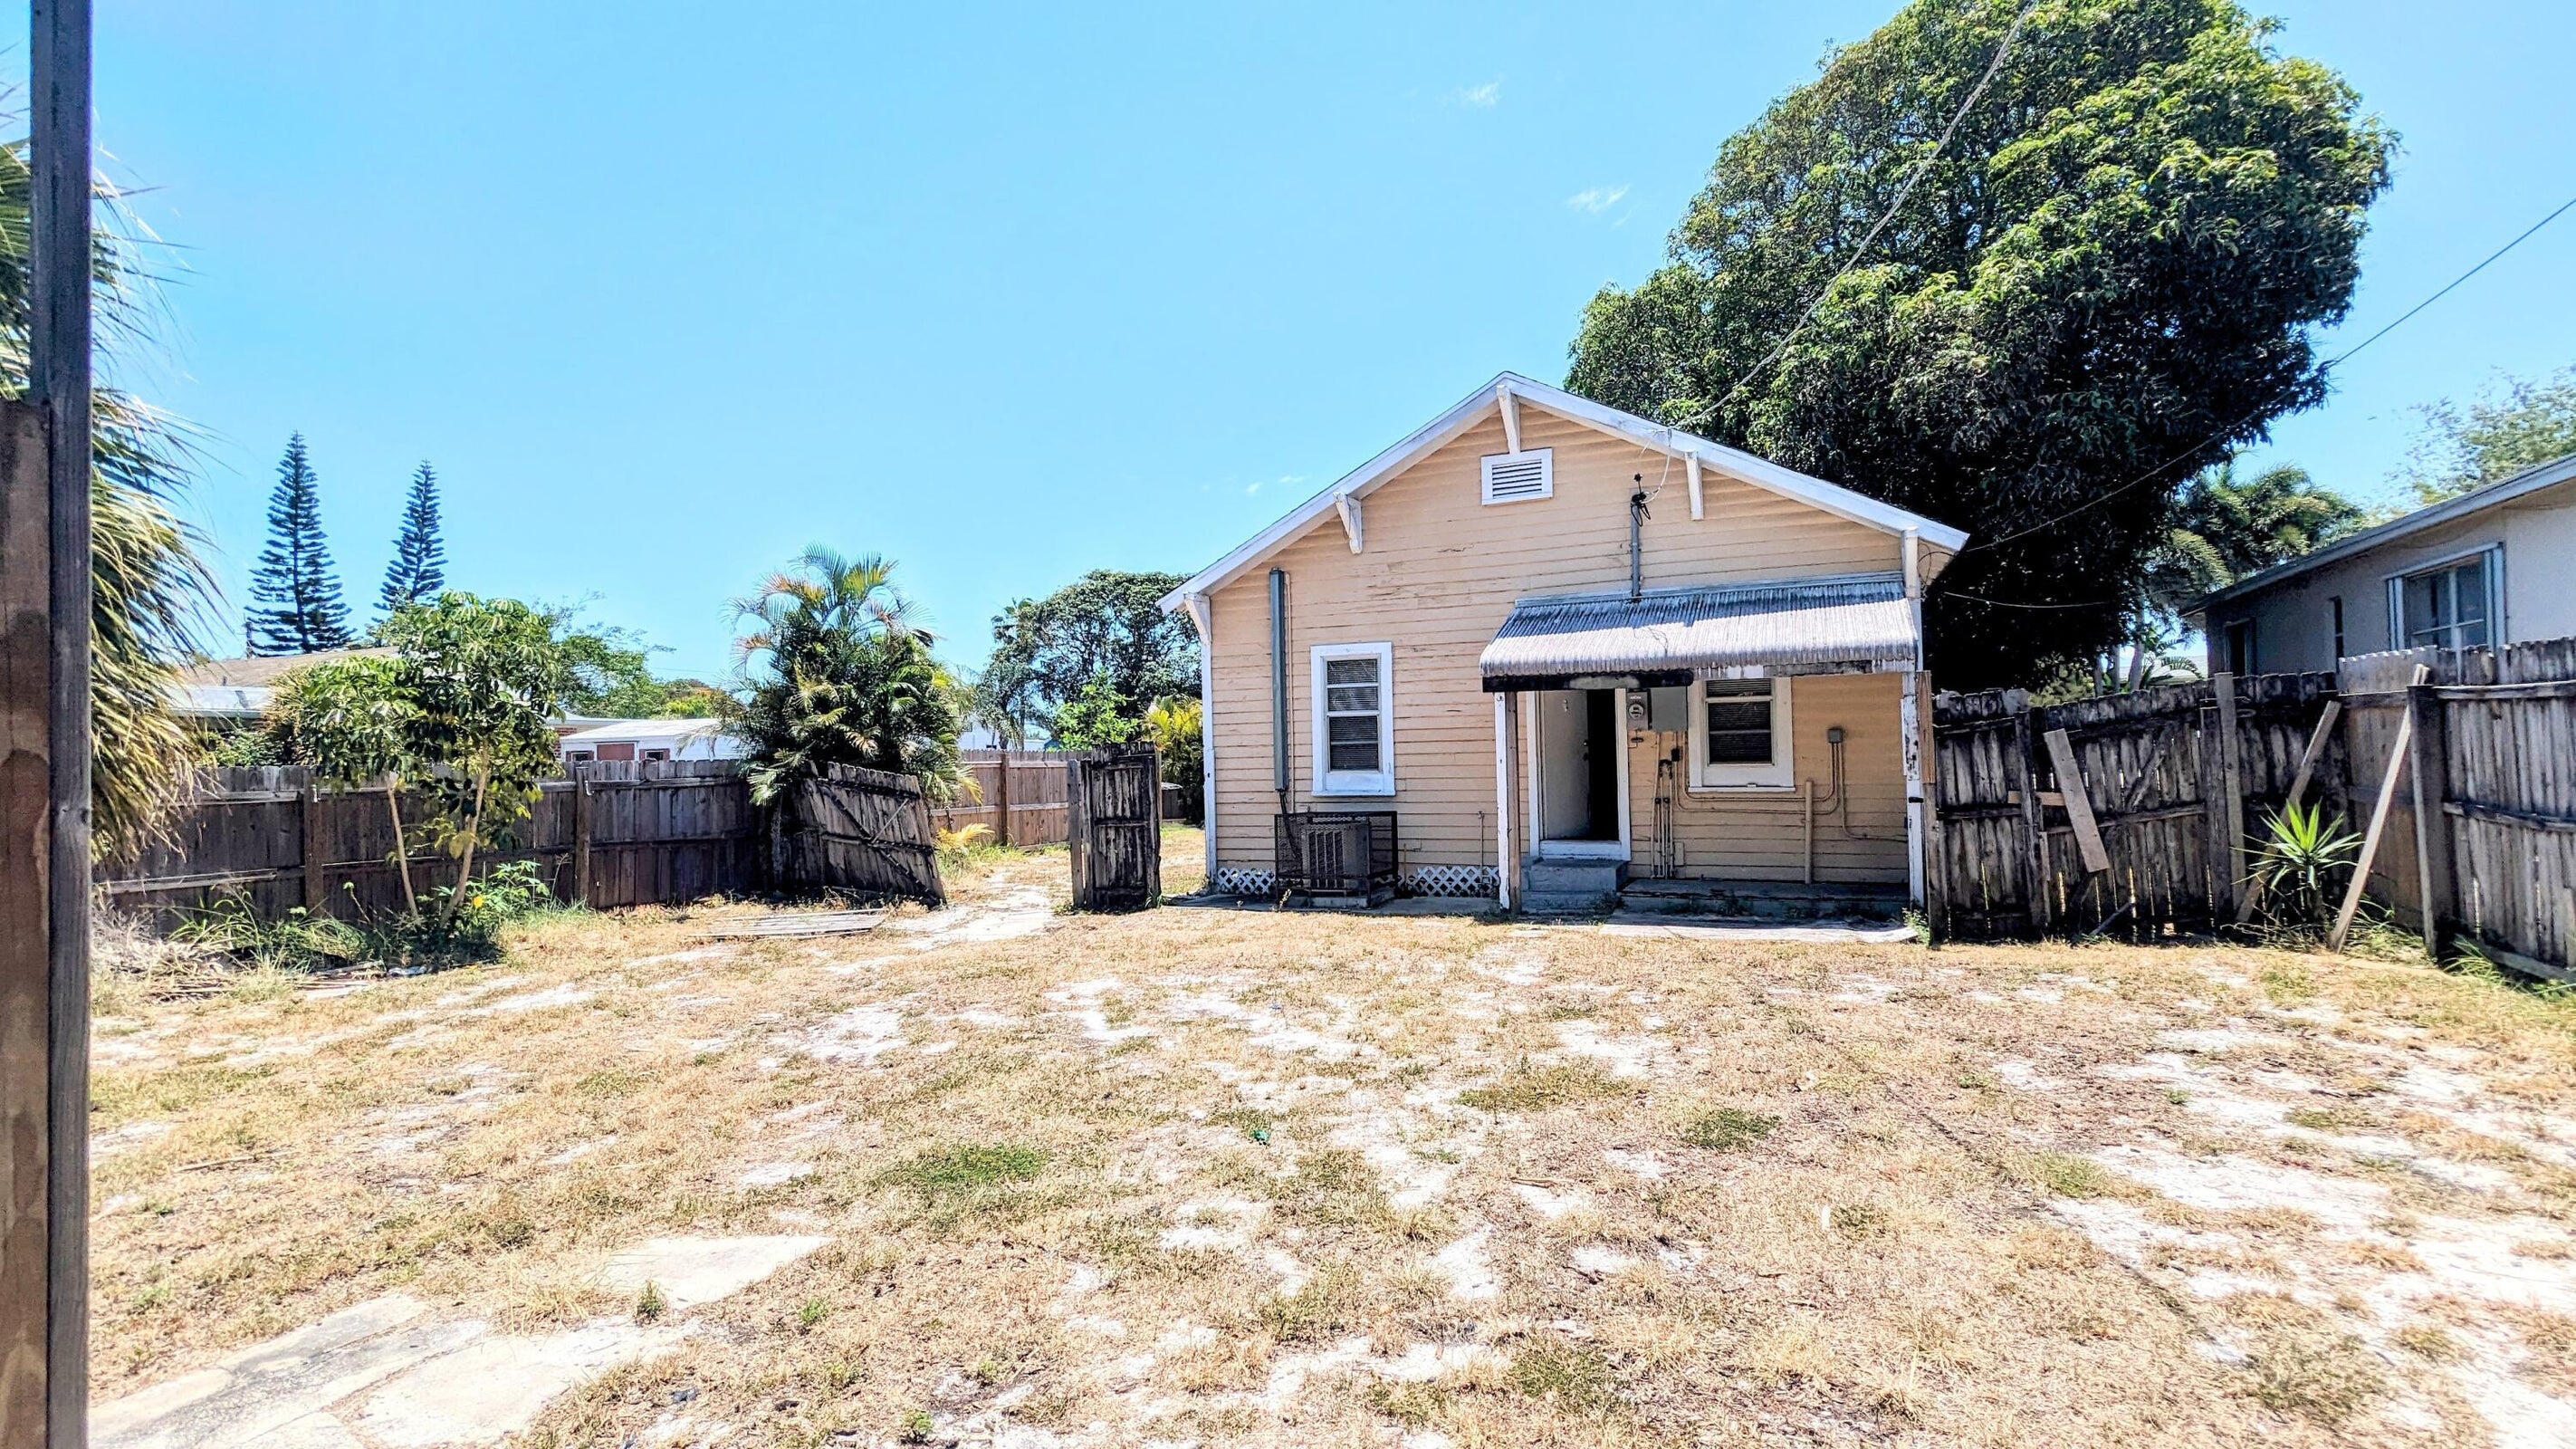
pixel 1279 686
pixel 1203 617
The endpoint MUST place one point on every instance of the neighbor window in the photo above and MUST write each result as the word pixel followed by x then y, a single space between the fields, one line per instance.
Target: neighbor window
pixel 578 757
pixel 2334 611
pixel 1354 719
pixel 2449 607
pixel 1740 735
pixel 2239 654
pixel 656 755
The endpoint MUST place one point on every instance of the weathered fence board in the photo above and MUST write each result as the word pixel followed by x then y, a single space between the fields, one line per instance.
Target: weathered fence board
pixel 1017 794
pixel 2165 777
pixel 860 832
pixel 2178 795
pixel 1115 828
pixel 615 833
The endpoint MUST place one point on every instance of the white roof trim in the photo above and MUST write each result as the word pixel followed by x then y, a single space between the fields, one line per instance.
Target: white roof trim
pixel 1731 462
pixel 2529 480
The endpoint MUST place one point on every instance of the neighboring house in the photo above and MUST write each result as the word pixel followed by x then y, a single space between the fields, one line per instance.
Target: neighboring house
pixel 650 739
pixel 2496 565
pixel 230 693
pixel 1462 632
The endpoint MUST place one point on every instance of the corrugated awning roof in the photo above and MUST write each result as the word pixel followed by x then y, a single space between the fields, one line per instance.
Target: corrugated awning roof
pixel 1670 636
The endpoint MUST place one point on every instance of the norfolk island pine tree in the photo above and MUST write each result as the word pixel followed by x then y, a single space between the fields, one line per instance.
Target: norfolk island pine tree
pixel 419 569
pixel 295 596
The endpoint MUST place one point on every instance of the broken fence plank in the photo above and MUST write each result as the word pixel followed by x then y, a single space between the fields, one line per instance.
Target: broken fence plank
pixel 2079 804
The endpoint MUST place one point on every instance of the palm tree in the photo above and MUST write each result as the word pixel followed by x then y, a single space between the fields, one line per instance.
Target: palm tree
pixel 836 672
pixel 151 590
pixel 2220 530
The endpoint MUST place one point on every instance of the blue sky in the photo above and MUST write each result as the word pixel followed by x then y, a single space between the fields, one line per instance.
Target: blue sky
pixel 1008 293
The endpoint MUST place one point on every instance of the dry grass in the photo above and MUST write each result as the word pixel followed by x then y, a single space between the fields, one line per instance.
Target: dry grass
pixel 1278 1179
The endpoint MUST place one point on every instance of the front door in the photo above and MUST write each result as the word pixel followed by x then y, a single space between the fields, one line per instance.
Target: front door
pixel 1578 741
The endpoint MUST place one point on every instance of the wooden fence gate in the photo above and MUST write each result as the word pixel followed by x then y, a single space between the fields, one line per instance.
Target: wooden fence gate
pixel 2126 812
pixel 865 832
pixel 1115 828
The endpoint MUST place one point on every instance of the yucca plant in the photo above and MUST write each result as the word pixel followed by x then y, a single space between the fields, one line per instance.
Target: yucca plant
pixel 2302 864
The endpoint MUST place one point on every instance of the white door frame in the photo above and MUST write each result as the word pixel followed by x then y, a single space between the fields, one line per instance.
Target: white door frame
pixel 1618 849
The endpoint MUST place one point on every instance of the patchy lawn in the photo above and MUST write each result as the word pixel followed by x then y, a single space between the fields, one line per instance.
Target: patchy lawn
pixel 1008 1177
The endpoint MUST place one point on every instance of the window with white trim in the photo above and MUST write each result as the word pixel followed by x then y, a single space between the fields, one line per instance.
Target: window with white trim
pixel 1739 735
pixel 2451 606
pixel 1516 477
pixel 1354 707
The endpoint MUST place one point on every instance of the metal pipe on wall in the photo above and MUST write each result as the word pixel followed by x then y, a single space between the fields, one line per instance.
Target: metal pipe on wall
pixel 1279 686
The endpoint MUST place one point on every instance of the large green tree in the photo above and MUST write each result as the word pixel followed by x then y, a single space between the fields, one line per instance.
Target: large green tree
pixel 835 672
pixel 2106 281
pixel 295 592
pixel 1108 625
pixel 151 590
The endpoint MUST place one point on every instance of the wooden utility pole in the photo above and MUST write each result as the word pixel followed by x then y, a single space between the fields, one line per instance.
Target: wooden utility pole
pixel 45 774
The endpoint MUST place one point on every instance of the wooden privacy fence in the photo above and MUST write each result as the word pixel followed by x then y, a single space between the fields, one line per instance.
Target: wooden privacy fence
pixel 614 833
pixel 2483 822
pixel 863 832
pixel 1115 828
pixel 2175 784
pixel 2125 812
pixel 1017 794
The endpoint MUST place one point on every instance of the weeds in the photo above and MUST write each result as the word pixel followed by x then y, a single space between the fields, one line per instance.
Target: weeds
pixel 1527 1088
pixel 2062 1175
pixel 1576 1379
pixel 2324 1379
pixel 962 1176
pixel 1728 1129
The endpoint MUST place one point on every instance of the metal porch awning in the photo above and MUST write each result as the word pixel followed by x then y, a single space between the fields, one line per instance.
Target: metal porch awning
pixel 1672 636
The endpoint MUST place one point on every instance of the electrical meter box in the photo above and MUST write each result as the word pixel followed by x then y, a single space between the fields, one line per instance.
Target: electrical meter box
pixel 1668 708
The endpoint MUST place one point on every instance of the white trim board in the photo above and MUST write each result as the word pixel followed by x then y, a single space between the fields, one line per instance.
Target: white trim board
pixel 1511 387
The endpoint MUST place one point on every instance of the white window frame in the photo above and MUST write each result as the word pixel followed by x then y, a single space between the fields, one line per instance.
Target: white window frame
pixel 1780 774
pixel 1546 471
pixel 2396 586
pixel 2227 645
pixel 1332 782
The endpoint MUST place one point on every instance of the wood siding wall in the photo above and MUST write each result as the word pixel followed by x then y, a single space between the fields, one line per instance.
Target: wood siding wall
pixel 1763 835
pixel 1440 572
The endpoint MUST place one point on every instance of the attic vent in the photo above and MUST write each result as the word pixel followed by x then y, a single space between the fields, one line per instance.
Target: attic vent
pixel 1512 477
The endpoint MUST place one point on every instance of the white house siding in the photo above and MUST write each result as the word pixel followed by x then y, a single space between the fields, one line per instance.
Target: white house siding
pixel 2293 619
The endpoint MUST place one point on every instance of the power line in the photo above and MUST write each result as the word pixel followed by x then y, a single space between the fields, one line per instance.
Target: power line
pixel 2330 365
pixel 1903 190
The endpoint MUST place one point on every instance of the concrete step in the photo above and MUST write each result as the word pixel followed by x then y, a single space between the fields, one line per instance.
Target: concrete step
pixel 1764 900
pixel 1554 885
pixel 1568 903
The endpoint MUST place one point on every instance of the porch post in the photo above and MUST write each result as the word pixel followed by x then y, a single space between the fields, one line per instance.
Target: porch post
pixel 1503 800
pixel 1909 721
pixel 1909 724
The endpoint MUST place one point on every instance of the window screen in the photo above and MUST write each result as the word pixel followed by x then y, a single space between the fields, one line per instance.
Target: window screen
pixel 1354 698
pixel 1739 722
pixel 2445 607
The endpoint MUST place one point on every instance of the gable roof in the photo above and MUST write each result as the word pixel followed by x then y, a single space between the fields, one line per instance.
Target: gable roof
pixel 1655 437
pixel 2530 480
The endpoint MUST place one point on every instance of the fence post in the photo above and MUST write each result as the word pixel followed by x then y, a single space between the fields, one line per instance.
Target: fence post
pixel 1002 798
pixel 2034 835
pixel 2228 811
pixel 2434 871
pixel 581 842
pixel 316 890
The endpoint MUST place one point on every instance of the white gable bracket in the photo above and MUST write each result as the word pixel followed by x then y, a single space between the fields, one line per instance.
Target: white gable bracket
pixel 1511 417
pixel 1697 509
pixel 1352 522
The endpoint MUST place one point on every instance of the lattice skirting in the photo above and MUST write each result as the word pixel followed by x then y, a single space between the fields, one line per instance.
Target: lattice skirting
pixel 1452 880
pixel 1431 880
pixel 1237 880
